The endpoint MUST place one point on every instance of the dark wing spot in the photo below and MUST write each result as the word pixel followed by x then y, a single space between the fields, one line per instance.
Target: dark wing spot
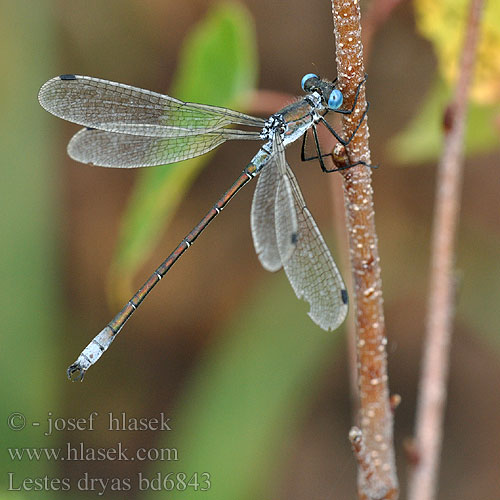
pixel 67 77
pixel 294 238
pixel 90 128
pixel 345 297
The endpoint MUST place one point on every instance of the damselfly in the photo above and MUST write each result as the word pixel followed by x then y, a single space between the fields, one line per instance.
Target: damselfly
pixel 128 127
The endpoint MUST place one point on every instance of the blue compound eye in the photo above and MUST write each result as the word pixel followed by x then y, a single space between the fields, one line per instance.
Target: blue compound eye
pixel 335 100
pixel 307 77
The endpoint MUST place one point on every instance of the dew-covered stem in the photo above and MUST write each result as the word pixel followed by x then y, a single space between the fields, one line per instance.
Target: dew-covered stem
pixel 376 465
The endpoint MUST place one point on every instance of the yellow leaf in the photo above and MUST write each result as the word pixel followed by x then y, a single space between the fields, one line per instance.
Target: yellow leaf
pixel 444 22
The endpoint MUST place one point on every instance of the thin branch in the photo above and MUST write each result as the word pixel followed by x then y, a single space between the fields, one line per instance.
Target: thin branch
pixel 341 160
pixel 432 396
pixel 375 415
pixel 376 14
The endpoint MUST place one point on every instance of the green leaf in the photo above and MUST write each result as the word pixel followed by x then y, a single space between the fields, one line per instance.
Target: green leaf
pixel 248 396
pixel 217 66
pixel 31 321
pixel 422 139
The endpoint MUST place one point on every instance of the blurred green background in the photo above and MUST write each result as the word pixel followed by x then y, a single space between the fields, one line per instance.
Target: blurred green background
pixel 258 396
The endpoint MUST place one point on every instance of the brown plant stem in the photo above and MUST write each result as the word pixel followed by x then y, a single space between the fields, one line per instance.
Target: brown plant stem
pixel 377 472
pixel 432 395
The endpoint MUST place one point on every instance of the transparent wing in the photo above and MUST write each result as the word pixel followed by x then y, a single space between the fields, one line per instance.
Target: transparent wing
pixel 311 269
pixel 272 200
pixel 116 107
pixel 285 216
pixel 109 149
pixel 262 218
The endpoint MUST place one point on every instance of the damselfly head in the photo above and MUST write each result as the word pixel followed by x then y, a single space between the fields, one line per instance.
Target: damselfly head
pixel 332 97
